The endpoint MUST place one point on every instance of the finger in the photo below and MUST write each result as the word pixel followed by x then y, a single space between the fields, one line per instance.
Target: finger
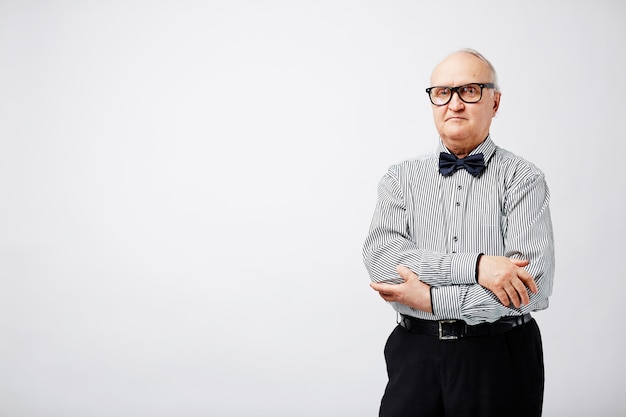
pixel 384 296
pixel 521 290
pixel 383 288
pixel 379 288
pixel 503 297
pixel 513 296
pixel 388 296
pixel 528 281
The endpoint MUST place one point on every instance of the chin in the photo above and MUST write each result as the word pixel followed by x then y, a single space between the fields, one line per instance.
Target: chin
pixel 455 138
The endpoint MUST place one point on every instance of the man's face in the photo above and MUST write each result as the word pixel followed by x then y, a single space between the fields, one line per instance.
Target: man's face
pixel 463 126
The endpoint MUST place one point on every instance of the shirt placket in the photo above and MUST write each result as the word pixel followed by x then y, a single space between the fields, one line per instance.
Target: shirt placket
pixel 457 205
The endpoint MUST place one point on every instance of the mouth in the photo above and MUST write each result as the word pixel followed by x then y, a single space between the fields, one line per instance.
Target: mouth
pixel 454 119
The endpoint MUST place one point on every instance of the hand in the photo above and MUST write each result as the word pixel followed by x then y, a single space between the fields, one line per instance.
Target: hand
pixel 507 279
pixel 412 292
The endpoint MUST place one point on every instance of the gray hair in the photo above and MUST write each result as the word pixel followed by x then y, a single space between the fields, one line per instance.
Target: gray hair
pixel 492 70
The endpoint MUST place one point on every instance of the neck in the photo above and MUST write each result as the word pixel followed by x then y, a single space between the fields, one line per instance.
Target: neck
pixel 461 151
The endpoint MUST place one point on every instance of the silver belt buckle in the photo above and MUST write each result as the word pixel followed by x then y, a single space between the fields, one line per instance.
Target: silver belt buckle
pixel 446 336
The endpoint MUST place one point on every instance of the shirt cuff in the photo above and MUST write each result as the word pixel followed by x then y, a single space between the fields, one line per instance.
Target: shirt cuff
pixel 463 268
pixel 445 302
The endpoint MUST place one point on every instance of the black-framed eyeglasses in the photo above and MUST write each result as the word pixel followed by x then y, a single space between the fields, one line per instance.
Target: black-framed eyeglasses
pixel 468 93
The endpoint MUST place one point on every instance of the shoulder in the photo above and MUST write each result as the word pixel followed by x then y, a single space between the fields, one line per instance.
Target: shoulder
pixel 413 166
pixel 511 164
pixel 514 170
pixel 404 176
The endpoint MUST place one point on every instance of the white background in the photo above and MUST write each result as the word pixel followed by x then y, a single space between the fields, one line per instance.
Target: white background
pixel 185 188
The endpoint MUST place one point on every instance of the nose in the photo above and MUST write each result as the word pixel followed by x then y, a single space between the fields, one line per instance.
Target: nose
pixel 455 102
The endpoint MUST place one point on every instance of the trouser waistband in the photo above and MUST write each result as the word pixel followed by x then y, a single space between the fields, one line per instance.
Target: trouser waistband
pixel 458 329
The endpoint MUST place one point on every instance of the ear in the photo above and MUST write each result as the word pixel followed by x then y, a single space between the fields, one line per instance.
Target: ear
pixel 496 102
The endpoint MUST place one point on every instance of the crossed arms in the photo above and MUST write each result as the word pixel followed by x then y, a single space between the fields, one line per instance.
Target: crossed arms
pixel 505 277
pixel 514 279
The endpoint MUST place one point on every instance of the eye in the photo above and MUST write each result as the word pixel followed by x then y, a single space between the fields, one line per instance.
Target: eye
pixel 441 92
pixel 471 90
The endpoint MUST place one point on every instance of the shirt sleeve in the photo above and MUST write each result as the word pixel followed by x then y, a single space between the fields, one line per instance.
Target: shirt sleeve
pixel 389 244
pixel 528 235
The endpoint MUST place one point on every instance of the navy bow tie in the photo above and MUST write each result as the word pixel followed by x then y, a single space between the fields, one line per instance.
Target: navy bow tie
pixel 448 163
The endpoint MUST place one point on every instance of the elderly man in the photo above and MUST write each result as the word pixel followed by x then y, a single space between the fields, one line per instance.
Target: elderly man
pixel 461 246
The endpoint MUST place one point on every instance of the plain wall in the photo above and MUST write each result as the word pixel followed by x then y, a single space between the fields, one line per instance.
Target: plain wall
pixel 185 188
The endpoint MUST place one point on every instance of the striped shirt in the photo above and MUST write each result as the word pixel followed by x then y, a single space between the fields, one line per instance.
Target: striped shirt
pixel 437 226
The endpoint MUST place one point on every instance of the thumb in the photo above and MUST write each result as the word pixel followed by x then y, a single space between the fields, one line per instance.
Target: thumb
pixel 405 273
pixel 520 262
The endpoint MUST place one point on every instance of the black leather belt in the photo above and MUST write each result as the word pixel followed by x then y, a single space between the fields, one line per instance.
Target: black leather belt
pixel 458 329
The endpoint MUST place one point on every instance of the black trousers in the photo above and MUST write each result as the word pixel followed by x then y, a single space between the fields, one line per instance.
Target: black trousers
pixel 486 376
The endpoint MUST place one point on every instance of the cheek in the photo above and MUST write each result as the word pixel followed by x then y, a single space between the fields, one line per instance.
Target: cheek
pixel 486 116
pixel 438 114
